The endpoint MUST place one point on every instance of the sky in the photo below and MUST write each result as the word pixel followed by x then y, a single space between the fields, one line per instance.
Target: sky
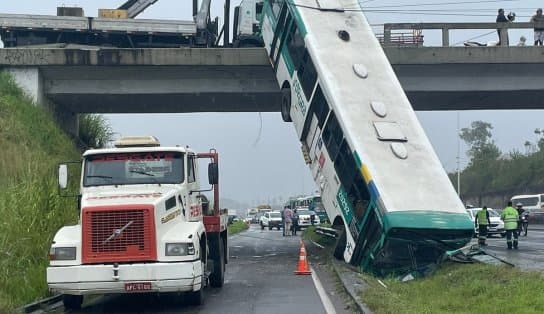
pixel 260 157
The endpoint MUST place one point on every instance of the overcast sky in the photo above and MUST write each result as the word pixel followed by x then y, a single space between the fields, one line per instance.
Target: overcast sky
pixel 260 155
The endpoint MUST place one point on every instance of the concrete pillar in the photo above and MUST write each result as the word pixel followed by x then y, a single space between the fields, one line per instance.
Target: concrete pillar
pixel 30 80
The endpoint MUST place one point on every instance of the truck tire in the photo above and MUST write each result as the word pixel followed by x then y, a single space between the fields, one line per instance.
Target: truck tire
pixel 286 104
pixel 72 302
pixel 217 277
pixel 269 227
pixel 262 226
pixel 340 246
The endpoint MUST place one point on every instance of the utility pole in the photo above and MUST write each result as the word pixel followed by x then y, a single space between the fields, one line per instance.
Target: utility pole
pixel 458 156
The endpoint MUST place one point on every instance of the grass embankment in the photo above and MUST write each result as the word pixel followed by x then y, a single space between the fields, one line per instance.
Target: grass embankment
pixel 460 288
pixel 31 145
pixel 237 227
pixel 454 288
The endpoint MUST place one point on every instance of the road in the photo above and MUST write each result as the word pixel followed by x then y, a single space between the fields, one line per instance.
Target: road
pixel 529 256
pixel 259 279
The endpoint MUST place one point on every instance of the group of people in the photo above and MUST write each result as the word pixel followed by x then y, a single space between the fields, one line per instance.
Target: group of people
pixel 537 19
pixel 290 221
pixel 512 218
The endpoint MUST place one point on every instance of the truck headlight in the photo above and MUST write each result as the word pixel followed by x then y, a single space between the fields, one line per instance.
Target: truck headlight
pixel 179 249
pixel 62 253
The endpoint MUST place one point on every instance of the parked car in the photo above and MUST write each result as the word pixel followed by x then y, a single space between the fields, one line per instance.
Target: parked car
pixel 497 225
pixel 271 220
pixel 305 218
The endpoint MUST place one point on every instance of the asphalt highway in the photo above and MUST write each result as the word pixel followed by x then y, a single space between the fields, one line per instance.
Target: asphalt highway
pixel 259 279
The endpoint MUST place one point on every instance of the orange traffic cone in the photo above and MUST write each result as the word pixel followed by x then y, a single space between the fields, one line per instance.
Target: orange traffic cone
pixel 303 268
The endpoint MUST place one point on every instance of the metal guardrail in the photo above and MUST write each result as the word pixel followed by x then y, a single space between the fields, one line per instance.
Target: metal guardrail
pixel 329 232
pixel 388 37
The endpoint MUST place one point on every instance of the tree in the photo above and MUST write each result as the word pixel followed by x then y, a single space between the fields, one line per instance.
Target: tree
pixel 478 138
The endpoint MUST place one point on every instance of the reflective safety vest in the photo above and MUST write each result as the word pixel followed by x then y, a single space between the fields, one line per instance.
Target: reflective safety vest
pixel 482 217
pixel 510 217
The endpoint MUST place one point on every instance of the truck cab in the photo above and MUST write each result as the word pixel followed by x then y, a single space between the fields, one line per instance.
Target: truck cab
pixel 144 225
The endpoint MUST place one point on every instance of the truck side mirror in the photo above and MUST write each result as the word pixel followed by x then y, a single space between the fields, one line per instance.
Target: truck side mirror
pixel 213 173
pixel 63 176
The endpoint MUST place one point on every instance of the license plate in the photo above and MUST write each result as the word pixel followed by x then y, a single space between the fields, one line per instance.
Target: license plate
pixel 137 286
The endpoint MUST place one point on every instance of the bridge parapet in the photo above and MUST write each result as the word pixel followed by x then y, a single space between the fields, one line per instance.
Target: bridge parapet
pixel 446 27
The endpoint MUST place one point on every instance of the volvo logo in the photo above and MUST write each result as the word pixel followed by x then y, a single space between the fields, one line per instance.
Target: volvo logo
pixel 117 232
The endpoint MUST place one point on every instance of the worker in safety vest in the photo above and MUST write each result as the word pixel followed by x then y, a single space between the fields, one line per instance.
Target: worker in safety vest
pixel 482 222
pixel 510 217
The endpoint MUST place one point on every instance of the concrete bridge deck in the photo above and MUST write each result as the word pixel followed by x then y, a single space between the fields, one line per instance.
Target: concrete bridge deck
pixel 88 79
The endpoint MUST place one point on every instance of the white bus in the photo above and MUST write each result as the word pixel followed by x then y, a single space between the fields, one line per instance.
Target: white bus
pixel 533 203
pixel 378 175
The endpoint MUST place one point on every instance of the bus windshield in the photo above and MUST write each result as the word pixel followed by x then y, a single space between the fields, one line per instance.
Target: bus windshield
pixel 133 168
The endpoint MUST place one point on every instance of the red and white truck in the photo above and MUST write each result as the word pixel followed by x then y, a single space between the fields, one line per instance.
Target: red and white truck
pixel 144 225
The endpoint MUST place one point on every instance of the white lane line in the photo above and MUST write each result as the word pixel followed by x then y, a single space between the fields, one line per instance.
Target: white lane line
pixel 327 304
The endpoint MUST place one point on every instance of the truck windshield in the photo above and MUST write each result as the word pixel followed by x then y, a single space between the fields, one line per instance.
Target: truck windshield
pixel 133 168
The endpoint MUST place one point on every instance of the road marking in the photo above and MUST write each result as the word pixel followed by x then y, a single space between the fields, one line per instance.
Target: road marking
pixel 327 304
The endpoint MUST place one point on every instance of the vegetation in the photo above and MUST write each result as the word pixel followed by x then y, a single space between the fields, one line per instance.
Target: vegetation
pixel 237 227
pixel 459 288
pixel 311 235
pixel 32 211
pixel 491 173
pixel 94 131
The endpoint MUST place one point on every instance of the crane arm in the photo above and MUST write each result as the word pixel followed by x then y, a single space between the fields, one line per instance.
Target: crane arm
pixel 135 7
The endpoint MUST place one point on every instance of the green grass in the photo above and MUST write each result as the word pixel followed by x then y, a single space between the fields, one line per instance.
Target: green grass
pixel 31 210
pixel 310 235
pixel 460 288
pixel 237 227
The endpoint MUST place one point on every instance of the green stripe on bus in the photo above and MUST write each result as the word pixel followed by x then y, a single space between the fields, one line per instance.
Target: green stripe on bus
pixel 357 160
pixel 345 206
pixel 301 27
pixel 427 220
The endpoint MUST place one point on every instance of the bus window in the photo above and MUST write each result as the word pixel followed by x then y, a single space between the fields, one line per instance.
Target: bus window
pixel 295 46
pixel 351 178
pixel 319 106
pixel 332 136
pixel 307 74
pixel 276 6
pixel 279 35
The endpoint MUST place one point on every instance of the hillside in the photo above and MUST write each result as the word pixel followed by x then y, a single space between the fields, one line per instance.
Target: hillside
pixel 30 207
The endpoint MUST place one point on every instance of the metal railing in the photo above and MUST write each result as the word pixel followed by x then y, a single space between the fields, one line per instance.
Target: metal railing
pixel 329 232
pixel 389 37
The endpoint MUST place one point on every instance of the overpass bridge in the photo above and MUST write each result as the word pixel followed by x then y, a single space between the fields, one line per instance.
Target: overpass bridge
pixel 92 80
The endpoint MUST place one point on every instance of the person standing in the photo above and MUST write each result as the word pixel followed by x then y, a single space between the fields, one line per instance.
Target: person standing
pixel 519 208
pixel 510 217
pixel 295 221
pixel 482 222
pixel 288 215
pixel 501 18
pixel 538 20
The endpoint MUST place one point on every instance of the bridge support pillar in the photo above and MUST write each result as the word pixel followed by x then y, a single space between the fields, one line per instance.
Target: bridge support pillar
pixel 30 80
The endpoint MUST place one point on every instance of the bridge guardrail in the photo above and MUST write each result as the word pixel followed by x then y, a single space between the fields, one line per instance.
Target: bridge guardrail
pixel 389 37
pixel 329 232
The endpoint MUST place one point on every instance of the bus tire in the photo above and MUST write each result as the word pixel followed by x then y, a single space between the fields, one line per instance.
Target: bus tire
pixel 340 246
pixel 286 104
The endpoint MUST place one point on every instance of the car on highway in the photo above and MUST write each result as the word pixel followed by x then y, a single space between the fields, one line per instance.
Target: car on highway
pixel 271 220
pixel 497 225
pixel 305 218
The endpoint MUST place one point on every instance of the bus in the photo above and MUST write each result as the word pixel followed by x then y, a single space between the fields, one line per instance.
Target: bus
pixel 533 203
pixel 380 181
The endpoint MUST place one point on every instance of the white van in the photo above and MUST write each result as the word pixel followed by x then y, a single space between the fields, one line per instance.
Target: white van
pixel 531 203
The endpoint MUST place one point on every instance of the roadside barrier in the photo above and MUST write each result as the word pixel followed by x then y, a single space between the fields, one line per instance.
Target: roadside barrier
pixel 329 232
pixel 303 267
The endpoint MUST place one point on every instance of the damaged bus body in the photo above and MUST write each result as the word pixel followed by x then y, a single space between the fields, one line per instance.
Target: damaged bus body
pixel 380 180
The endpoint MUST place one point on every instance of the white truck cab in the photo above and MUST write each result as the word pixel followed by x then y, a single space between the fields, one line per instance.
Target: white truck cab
pixel 144 225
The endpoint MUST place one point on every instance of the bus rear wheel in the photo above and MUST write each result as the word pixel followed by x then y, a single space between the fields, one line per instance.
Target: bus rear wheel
pixel 286 104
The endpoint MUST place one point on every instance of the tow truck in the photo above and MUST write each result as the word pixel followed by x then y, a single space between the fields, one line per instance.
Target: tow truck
pixel 145 224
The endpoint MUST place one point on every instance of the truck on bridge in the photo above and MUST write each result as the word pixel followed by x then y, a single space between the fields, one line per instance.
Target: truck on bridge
pixel 110 30
pixel 145 225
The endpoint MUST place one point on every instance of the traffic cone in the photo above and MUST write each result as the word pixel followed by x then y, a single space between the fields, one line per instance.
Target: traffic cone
pixel 303 268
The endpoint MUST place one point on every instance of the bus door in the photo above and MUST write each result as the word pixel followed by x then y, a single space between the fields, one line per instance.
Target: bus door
pixel 281 30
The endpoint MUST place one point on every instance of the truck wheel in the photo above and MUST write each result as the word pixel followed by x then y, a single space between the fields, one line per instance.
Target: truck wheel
pixel 278 227
pixel 286 104
pixel 340 246
pixel 262 226
pixel 217 277
pixel 72 302
pixel 269 227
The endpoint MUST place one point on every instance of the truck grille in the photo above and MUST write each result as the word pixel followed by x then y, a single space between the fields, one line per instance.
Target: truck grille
pixel 118 234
